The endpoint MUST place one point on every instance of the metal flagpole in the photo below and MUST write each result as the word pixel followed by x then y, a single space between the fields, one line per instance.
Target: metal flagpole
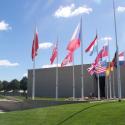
pixel 82 77
pixel 113 75
pixel 117 51
pixel 73 69
pixel 34 54
pixel 57 71
pixel 109 73
pixel 98 74
pixel 33 87
pixel 107 93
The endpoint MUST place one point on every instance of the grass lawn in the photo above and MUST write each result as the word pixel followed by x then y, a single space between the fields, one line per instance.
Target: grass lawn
pixel 71 114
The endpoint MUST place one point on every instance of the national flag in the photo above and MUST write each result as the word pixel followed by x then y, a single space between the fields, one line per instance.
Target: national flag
pixel 114 60
pixel 93 46
pixel 103 53
pixel 91 69
pixel 67 59
pixel 35 45
pixel 122 56
pixel 76 39
pixel 96 69
pixel 54 53
pixel 108 70
pixel 99 69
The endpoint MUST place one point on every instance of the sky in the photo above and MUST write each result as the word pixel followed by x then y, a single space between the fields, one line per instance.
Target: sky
pixel 54 19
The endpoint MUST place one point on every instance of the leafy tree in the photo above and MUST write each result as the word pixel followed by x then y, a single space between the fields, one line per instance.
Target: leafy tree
pixel 6 86
pixel 15 85
pixel 23 84
pixel 1 86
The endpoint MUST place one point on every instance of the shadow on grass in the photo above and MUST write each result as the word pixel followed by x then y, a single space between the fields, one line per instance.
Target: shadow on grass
pixel 76 113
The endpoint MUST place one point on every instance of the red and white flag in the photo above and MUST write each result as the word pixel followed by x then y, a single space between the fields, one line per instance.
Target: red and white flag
pixel 54 53
pixel 91 69
pixel 67 59
pixel 100 69
pixel 35 45
pixel 96 69
pixel 122 56
pixel 103 53
pixel 75 40
pixel 93 46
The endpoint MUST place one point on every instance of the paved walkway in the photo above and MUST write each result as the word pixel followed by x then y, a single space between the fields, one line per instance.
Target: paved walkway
pixel 1 111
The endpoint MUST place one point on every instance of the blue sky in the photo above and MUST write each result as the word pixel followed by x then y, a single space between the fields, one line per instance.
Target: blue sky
pixel 53 18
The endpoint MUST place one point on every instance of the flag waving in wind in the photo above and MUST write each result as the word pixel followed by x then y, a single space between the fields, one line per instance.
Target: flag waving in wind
pixel 93 46
pixel 35 45
pixel 122 56
pixel 67 59
pixel 103 53
pixel 54 53
pixel 75 40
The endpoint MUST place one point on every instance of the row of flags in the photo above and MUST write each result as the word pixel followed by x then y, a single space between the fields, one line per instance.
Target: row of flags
pixel 97 67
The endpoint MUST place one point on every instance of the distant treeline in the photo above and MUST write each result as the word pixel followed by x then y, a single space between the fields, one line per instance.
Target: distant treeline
pixel 14 85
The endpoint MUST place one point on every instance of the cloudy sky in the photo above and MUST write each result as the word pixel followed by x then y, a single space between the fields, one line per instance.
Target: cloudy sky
pixel 54 18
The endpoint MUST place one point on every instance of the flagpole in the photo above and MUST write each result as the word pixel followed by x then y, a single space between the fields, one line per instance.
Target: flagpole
pixel 117 58
pixel 98 74
pixel 113 75
pixel 57 72
pixel 110 72
pixel 73 69
pixel 33 87
pixel 82 69
pixel 107 88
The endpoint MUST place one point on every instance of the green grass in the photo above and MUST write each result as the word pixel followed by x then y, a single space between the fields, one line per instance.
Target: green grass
pixel 71 114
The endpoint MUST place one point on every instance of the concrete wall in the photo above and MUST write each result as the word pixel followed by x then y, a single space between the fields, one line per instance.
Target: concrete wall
pixel 45 82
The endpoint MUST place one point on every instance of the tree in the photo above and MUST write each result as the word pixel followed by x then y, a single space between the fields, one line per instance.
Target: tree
pixel 6 86
pixel 15 85
pixel 1 86
pixel 23 84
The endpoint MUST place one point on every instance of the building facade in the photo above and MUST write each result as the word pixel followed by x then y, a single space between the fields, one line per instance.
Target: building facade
pixel 45 82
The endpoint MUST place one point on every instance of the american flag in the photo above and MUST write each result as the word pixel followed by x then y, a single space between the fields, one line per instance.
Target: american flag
pixel 96 69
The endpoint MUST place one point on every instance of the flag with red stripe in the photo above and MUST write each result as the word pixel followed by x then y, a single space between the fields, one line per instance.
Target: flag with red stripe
pixel 93 46
pixel 54 53
pixel 67 59
pixel 76 39
pixel 35 45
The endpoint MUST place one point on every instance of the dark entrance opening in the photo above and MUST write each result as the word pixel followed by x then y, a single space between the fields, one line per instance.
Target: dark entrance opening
pixel 102 85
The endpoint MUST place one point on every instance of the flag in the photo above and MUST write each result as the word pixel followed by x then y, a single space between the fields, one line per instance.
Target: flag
pixel 54 54
pixel 76 39
pixel 96 69
pixel 122 56
pixel 91 69
pixel 103 53
pixel 108 70
pixel 35 45
pixel 67 59
pixel 93 46
pixel 114 60
pixel 99 69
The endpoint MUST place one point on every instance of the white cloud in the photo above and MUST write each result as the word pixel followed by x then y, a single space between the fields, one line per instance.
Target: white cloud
pixel 4 26
pixel 45 45
pixel 121 9
pixel 50 66
pixel 7 63
pixel 107 38
pixel 69 11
